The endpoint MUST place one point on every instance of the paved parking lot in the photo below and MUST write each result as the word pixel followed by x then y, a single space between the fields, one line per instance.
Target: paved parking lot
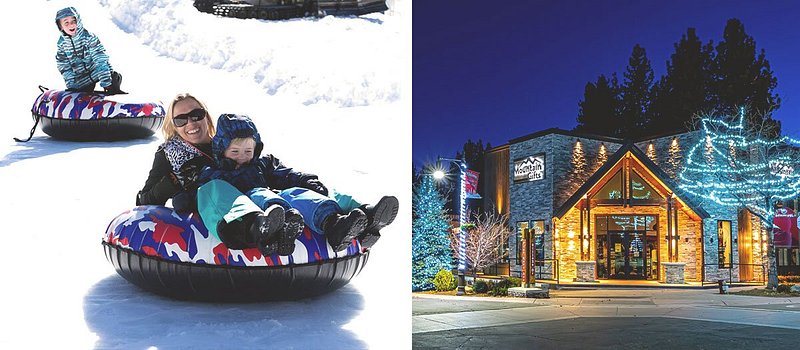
pixel 607 318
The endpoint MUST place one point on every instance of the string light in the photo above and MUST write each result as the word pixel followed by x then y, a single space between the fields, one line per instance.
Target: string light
pixel 732 167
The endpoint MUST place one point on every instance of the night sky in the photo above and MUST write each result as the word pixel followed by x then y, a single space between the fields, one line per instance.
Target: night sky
pixel 495 70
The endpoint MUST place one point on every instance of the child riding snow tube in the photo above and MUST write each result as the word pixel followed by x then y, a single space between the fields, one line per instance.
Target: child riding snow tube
pixel 82 116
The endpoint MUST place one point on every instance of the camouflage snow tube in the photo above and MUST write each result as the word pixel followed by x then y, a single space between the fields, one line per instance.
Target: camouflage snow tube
pixel 174 255
pixel 80 116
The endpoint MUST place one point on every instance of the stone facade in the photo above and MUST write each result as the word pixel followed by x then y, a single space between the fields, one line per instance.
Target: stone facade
pixel 570 159
pixel 585 271
pixel 564 173
pixel 674 272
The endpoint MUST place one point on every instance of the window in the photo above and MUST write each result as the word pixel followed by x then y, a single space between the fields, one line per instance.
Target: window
pixel 641 190
pixel 521 227
pixel 538 240
pixel 612 189
pixel 725 242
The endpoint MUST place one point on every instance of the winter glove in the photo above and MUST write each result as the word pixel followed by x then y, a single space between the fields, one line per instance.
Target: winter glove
pixel 112 91
pixel 315 185
pixel 184 202
pixel 165 188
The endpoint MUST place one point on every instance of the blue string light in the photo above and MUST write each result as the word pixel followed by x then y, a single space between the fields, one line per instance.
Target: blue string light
pixel 734 167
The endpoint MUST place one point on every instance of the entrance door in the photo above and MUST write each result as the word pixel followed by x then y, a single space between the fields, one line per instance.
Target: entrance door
pixel 626 254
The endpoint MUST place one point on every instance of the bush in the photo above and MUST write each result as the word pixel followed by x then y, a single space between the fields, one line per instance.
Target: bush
pixel 444 281
pixel 480 286
pixel 784 288
pixel 514 282
pixel 500 288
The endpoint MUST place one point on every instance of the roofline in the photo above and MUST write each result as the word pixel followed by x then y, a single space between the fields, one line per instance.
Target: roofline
pixel 565 133
pixel 663 135
pixel 498 148
pixel 610 163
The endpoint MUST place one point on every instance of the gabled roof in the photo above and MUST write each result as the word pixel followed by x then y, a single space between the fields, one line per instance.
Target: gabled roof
pixel 612 161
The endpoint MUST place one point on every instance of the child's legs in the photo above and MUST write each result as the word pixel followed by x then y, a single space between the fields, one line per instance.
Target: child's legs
pixel 345 201
pixel 263 198
pixel 313 206
pixel 218 200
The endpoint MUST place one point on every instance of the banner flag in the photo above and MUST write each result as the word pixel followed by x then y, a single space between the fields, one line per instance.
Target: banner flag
pixel 786 233
pixel 472 184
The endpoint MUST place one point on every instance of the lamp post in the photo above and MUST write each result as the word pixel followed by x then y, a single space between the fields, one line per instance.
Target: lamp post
pixel 462 254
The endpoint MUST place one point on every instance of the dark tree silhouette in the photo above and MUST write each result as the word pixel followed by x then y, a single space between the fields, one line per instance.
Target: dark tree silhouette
pixel 635 89
pixel 685 90
pixel 743 78
pixel 598 112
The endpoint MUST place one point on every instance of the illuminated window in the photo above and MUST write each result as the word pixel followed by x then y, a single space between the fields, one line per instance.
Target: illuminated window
pixel 725 242
pixel 641 190
pixel 612 189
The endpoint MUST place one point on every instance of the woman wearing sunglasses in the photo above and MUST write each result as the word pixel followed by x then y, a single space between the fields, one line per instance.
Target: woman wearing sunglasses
pixel 187 130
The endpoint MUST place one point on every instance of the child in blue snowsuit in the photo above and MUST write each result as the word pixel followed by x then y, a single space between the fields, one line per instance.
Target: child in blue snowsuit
pixel 81 57
pixel 287 197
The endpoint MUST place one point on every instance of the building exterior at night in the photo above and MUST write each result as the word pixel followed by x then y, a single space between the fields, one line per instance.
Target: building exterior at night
pixel 600 208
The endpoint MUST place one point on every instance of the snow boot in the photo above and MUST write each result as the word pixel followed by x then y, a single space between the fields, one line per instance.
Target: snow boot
pixel 292 228
pixel 232 234
pixel 379 216
pixel 340 230
pixel 266 228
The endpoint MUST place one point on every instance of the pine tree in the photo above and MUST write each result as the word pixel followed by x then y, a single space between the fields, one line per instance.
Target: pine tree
pixel 685 89
pixel 598 113
pixel 636 88
pixel 429 241
pixel 744 79
pixel 734 166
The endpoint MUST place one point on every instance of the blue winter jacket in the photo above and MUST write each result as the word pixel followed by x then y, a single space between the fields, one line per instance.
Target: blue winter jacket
pixel 81 59
pixel 266 171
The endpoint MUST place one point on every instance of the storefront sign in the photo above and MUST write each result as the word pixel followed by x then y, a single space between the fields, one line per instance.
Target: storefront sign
pixel 529 168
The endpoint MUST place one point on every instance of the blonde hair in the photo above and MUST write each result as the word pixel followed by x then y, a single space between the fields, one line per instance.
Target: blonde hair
pixel 239 141
pixel 168 128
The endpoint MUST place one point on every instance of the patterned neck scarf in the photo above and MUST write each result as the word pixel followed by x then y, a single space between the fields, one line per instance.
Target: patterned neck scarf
pixel 178 153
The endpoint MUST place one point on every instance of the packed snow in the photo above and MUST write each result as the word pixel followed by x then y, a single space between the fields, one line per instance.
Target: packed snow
pixel 330 96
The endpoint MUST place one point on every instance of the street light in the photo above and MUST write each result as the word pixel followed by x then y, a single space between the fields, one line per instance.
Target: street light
pixel 462 255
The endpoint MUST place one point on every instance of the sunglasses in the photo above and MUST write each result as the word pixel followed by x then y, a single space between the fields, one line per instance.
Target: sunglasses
pixel 196 115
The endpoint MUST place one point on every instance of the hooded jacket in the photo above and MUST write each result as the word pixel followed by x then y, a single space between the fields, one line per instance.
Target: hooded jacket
pixel 81 58
pixel 266 171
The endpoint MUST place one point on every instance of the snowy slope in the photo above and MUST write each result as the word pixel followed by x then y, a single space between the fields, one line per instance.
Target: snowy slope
pixel 331 96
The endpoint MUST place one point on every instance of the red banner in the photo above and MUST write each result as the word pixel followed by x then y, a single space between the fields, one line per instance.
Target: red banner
pixel 472 184
pixel 786 232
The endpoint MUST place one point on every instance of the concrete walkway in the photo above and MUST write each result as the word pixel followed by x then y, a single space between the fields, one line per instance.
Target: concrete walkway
pixel 432 313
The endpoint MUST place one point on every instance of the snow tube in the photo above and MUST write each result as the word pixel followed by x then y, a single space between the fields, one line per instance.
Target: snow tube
pixel 81 116
pixel 173 255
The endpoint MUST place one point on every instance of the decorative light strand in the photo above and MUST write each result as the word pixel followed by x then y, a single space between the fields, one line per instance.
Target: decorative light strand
pixel 732 166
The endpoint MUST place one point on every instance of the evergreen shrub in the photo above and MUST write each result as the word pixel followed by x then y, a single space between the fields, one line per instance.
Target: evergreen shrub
pixel 444 281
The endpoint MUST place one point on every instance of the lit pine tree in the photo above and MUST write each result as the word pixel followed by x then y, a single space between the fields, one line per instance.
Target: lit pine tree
pixel 430 244
pixel 735 166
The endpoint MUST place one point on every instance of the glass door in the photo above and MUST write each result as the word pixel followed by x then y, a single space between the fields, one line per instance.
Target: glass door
pixel 626 255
